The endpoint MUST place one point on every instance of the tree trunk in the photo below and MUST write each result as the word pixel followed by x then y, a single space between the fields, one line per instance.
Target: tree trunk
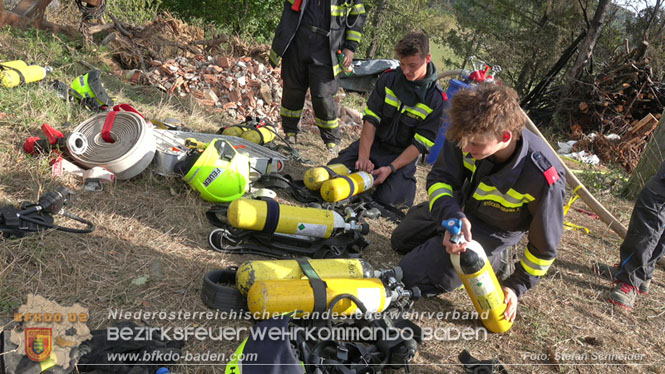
pixel 650 161
pixel 589 43
pixel 378 22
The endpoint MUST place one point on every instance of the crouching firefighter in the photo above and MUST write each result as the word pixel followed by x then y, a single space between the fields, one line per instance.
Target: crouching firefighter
pixel 501 181
pixel 401 121
pixel 308 37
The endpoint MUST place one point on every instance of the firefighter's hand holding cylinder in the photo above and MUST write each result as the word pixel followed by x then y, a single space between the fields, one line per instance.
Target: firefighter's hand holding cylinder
pixel 348 57
pixel 511 304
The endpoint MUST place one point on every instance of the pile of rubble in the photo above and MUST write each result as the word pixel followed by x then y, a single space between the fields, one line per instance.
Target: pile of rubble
pixel 240 88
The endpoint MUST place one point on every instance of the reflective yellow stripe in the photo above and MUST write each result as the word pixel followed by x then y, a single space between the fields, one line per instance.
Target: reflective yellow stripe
pixel 273 57
pixel 534 265
pixel 353 36
pixel 336 10
pixel 291 1
pixel 368 112
pixel 391 98
pixel 469 162
pixel 420 110
pixel 337 70
pixel 511 199
pixel 424 141
pixel 327 124
pixel 290 113
pixel 357 9
pixel 234 366
pixel 438 190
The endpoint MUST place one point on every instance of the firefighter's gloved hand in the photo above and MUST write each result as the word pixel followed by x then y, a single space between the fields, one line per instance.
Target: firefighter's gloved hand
pixel 511 301
pixel 381 174
pixel 348 57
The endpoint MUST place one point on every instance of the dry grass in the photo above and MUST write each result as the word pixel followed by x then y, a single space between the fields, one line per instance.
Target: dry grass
pixel 155 227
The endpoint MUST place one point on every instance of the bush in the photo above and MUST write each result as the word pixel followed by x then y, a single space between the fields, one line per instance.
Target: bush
pixel 254 19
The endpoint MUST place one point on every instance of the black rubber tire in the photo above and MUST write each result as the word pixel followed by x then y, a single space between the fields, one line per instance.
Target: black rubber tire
pixel 225 298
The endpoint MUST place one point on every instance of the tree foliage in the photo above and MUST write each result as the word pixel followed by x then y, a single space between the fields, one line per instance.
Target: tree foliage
pixel 524 37
pixel 255 19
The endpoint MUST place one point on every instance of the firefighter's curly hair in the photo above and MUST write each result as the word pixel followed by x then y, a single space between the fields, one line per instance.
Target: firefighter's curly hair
pixel 415 42
pixel 485 110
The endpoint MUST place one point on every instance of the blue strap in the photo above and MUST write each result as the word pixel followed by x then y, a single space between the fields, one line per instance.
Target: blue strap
pixel 272 216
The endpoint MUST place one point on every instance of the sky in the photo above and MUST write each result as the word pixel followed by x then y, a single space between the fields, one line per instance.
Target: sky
pixel 634 5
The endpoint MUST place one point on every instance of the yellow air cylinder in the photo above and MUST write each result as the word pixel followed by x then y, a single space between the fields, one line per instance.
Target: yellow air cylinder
pixel 270 297
pixel 250 214
pixel 16 64
pixel 482 286
pixel 260 136
pixel 253 271
pixel 314 177
pixel 341 188
pixel 10 77
pixel 234 131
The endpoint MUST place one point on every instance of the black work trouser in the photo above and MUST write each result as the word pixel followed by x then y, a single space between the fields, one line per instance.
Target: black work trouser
pixel 426 264
pixel 645 240
pixel 307 64
pixel 398 189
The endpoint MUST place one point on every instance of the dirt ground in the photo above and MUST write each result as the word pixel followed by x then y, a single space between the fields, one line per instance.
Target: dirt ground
pixel 155 227
pixel 149 253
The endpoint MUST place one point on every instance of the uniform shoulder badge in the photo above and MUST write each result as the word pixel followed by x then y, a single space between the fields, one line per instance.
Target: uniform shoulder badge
pixel 548 170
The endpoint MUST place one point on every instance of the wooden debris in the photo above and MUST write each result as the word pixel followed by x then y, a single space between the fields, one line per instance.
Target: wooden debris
pixel 626 99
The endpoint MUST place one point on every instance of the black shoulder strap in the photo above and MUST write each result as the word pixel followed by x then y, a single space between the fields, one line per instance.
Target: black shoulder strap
pixel 318 285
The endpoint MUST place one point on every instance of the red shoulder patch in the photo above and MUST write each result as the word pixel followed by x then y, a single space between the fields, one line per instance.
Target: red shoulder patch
pixel 445 96
pixel 551 175
pixel 387 70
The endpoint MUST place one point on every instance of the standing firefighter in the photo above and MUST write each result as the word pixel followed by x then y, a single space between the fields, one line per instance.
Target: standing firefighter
pixel 308 37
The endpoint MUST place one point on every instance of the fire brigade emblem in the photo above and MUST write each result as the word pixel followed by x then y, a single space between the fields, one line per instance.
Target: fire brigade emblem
pixel 38 343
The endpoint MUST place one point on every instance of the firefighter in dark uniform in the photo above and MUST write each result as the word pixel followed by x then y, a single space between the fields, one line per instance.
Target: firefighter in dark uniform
pixel 644 244
pixel 308 37
pixel 401 121
pixel 501 181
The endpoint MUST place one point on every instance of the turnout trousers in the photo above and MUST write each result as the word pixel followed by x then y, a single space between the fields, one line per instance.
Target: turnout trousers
pixel 306 64
pixel 426 264
pixel 398 189
pixel 645 240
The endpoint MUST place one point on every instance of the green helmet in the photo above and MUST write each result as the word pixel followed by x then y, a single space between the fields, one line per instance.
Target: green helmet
pixel 89 91
pixel 220 174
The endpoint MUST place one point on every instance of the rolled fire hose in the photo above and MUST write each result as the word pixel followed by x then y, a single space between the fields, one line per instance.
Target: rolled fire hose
pixel 132 147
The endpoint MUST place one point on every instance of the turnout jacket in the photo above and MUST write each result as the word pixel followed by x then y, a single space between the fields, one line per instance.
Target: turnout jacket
pixel 347 19
pixel 526 194
pixel 399 125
